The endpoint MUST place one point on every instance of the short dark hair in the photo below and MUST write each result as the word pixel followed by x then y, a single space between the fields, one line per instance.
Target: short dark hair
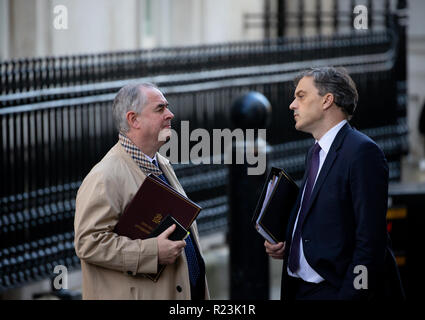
pixel 337 81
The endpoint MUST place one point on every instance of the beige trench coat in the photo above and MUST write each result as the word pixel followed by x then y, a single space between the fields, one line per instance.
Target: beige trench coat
pixel 113 266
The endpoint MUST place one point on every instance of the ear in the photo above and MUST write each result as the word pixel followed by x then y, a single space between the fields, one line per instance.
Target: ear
pixel 132 119
pixel 328 101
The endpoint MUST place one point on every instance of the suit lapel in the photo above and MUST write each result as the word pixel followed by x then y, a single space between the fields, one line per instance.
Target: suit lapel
pixel 327 165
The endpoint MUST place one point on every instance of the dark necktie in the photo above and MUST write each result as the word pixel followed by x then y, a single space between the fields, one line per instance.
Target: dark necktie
pixel 294 254
pixel 190 252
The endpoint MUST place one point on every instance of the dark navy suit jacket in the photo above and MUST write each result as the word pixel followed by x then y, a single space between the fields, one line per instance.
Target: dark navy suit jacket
pixel 345 224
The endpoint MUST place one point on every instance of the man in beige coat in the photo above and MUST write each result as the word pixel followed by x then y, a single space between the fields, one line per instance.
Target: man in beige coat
pixel 113 266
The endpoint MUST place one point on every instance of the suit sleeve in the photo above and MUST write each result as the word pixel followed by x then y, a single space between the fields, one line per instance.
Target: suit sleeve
pixel 98 207
pixel 369 194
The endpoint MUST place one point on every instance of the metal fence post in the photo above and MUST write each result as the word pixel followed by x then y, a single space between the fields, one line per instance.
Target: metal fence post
pixel 249 267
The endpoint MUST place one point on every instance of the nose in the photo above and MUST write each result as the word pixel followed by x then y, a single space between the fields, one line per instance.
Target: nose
pixel 293 105
pixel 169 114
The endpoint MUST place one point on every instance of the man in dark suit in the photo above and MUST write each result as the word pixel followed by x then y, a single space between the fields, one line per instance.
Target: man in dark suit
pixel 336 241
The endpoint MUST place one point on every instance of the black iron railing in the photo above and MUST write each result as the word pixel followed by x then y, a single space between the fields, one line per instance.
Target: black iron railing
pixel 56 124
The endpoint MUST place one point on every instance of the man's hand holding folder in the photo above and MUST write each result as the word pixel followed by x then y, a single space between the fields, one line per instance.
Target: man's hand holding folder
pixel 169 250
pixel 170 236
pixel 275 251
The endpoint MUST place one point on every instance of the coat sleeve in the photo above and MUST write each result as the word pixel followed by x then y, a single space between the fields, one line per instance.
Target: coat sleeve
pixel 369 194
pixel 98 206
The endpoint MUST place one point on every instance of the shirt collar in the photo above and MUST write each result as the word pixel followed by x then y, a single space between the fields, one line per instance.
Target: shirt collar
pixel 328 138
pixel 142 160
pixel 151 159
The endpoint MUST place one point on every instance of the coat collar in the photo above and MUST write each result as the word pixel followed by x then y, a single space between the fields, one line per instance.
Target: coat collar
pixel 148 167
pixel 138 156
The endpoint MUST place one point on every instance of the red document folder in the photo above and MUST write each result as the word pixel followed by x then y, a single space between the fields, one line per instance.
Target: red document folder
pixel 153 202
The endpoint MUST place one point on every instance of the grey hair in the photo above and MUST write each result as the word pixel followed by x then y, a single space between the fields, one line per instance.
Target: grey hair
pixel 129 98
pixel 336 81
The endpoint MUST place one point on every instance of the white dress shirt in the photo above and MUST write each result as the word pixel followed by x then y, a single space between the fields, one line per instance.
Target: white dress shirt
pixel 152 159
pixel 306 272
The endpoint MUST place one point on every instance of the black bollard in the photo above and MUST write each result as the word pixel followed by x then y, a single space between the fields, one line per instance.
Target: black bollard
pixel 249 264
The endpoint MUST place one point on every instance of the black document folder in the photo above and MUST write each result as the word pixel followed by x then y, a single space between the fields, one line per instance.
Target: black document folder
pixel 180 233
pixel 275 205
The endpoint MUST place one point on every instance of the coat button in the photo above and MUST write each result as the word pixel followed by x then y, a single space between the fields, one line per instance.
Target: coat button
pixel 306 240
pixel 179 289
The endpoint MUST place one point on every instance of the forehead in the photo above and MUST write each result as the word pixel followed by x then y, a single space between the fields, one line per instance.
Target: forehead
pixel 154 96
pixel 306 84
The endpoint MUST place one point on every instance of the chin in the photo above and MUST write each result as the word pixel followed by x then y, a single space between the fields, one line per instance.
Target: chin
pixel 301 128
pixel 298 126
